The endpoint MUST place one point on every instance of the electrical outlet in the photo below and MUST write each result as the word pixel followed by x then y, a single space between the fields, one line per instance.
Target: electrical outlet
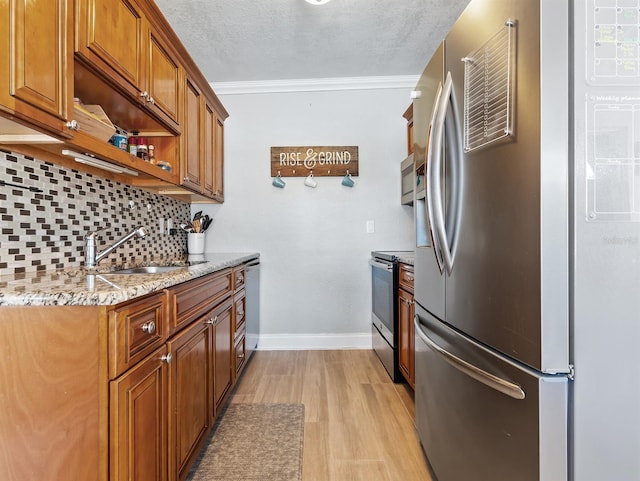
pixel 161 225
pixel 371 228
pixel 169 225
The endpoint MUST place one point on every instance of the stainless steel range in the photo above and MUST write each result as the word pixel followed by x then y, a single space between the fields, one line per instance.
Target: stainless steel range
pixel 384 307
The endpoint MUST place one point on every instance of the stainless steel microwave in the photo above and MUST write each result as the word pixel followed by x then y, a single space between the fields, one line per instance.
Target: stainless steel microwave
pixel 406 188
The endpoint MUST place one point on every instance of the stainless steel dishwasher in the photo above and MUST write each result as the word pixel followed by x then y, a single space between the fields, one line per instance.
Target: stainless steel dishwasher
pixel 252 289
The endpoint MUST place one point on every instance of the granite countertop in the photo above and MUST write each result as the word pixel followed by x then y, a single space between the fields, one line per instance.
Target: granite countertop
pixel 103 285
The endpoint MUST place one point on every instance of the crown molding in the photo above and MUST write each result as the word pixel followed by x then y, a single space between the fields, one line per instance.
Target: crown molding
pixel 315 85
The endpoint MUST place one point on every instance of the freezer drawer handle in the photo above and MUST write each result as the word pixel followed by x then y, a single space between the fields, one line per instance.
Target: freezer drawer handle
pixel 488 379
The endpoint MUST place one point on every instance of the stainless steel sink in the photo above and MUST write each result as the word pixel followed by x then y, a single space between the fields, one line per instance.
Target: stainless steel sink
pixel 147 270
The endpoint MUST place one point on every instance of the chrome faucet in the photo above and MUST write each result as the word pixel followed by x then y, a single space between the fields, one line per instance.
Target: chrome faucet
pixel 91 255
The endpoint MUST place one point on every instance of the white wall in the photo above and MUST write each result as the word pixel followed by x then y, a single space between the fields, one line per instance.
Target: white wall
pixel 315 280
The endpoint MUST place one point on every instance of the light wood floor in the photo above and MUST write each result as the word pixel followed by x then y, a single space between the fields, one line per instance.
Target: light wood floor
pixel 358 424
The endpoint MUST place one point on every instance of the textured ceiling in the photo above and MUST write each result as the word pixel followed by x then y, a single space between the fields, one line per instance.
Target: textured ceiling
pixel 253 40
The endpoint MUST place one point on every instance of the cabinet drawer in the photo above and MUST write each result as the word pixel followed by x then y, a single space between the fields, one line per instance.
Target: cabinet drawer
pixel 136 329
pixel 239 304
pixel 239 353
pixel 192 299
pixel 238 278
pixel 406 277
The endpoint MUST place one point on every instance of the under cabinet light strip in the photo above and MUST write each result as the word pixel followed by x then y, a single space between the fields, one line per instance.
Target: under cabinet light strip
pixel 100 164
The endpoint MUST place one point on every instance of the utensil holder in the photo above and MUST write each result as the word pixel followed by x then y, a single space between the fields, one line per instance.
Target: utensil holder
pixel 195 242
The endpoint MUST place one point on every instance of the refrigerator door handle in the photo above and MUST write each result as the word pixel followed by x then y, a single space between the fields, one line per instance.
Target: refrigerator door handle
pixel 452 133
pixel 436 176
pixel 486 378
pixel 435 240
pixel 447 100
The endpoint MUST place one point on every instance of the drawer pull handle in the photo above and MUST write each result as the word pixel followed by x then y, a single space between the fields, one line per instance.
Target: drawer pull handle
pixel 149 327
pixel 213 320
pixel 410 278
pixel 167 358
pixel 240 279
pixel 241 355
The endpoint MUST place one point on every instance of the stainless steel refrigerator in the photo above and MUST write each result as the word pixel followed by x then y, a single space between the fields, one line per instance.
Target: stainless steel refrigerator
pixel 527 263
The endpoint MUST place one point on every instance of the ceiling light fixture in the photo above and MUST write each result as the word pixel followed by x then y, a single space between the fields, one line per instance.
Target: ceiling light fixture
pixel 100 164
pixel 317 2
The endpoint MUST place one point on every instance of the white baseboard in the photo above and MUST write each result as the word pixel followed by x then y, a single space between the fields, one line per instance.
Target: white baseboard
pixel 313 342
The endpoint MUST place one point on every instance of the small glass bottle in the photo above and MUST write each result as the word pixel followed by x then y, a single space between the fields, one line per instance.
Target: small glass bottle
pixel 152 154
pixel 143 151
pixel 132 144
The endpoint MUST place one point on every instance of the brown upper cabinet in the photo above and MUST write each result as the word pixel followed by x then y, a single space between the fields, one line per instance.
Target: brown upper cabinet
pixel 213 155
pixel 115 38
pixel 218 193
pixel 408 115
pixel 122 56
pixel 37 85
pixel 202 144
pixel 192 175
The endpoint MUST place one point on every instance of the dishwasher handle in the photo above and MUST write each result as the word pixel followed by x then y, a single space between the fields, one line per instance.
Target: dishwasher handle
pixel 381 265
pixel 486 378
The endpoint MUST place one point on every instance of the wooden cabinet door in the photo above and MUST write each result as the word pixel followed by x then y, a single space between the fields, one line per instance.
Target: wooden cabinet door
pixel 188 395
pixel 218 193
pixel 223 355
pixel 110 36
pixel 137 422
pixel 405 335
pixel 209 150
pixel 213 162
pixel 163 80
pixel 192 175
pixel 37 81
pixel 412 344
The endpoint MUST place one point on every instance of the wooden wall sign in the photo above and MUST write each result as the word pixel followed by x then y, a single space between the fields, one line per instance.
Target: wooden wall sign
pixel 322 161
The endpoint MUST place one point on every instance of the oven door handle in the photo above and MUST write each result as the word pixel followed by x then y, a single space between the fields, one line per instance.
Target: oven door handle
pixel 381 265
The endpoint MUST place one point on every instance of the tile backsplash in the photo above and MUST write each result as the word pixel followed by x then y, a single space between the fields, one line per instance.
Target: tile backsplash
pixel 43 225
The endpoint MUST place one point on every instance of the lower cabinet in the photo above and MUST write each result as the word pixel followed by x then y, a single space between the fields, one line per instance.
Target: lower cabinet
pixel 239 330
pixel 222 335
pixel 138 410
pixel 406 330
pixel 406 336
pixel 118 393
pixel 163 406
pixel 189 414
